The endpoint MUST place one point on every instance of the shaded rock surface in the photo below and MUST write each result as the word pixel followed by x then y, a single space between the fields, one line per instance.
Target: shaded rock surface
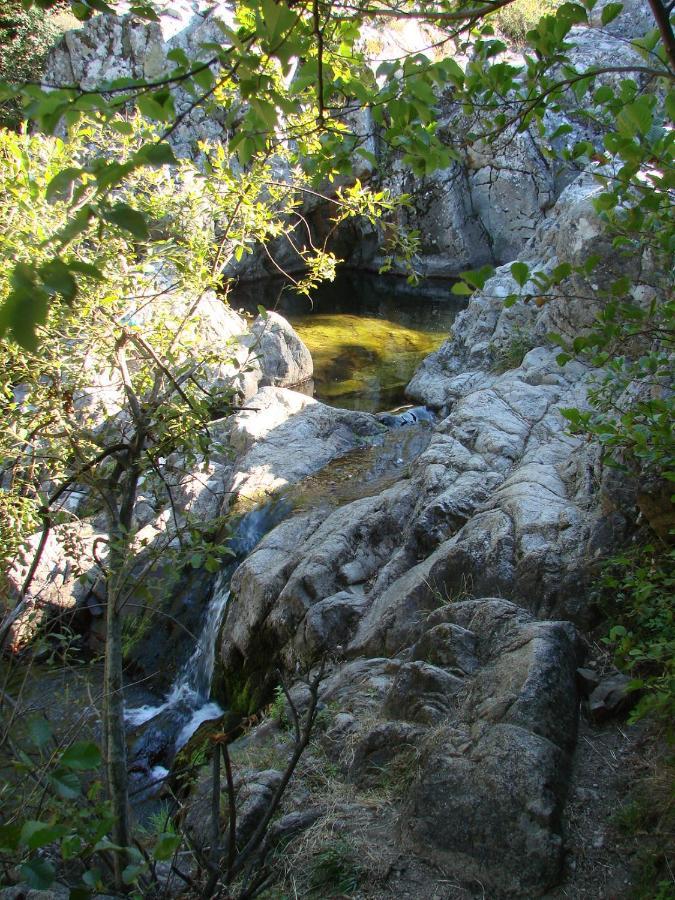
pixel 444 602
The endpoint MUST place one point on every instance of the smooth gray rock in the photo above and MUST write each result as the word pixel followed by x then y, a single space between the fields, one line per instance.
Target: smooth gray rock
pixel 283 358
pixel 612 697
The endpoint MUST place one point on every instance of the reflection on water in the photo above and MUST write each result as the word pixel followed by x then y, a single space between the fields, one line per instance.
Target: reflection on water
pixel 367 334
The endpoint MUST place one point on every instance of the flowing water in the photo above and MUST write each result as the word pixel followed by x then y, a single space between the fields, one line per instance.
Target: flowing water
pixel 366 337
pixel 187 703
pixel 367 334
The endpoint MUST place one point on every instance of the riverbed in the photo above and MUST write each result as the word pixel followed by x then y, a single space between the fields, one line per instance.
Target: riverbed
pixel 367 334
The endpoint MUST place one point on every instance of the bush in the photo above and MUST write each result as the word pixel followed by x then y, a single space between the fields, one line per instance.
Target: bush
pixel 516 19
pixel 26 37
pixel 637 591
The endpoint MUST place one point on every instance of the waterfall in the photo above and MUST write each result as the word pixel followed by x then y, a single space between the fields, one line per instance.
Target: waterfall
pixel 188 700
pixel 190 691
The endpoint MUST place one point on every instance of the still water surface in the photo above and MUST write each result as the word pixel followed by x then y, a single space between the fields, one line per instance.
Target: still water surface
pixel 367 334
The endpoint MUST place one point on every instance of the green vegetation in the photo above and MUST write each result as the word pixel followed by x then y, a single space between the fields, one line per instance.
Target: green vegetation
pixel 516 19
pixel 512 354
pixel 334 870
pixel 95 225
pixel 637 592
pixel 646 826
pixel 26 37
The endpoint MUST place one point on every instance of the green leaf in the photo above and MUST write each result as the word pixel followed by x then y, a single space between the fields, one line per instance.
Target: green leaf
pixel 25 308
pixel 38 874
pixel 79 893
pixel 635 118
pixel 92 878
pixel 133 872
pixel 76 226
pixel 179 56
pixel 39 731
pixel 129 219
pixel 38 834
pixel 122 127
pixel 204 79
pixel 57 278
pixel 520 272
pixel 66 784
pixel 152 107
pixel 166 846
pixel 10 835
pixel 610 12
pixel 59 187
pixel 81 756
pixel 71 846
pixel 461 289
pixel 478 277
pixel 106 844
pixel 91 271
pixel 157 154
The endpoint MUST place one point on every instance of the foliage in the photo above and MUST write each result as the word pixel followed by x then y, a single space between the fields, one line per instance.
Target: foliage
pixel 277 709
pixel 334 870
pixel 26 37
pixel 646 822
pixel 637 591
pixel 516 19
pixel 105 222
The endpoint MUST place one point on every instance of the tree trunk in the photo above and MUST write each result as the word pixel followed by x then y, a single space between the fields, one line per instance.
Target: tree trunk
pixel 114 737
pixel 114 734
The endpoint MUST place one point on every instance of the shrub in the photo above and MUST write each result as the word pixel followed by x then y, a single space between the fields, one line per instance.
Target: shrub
pixel 637 593
pixel 26 37
pixel 516 19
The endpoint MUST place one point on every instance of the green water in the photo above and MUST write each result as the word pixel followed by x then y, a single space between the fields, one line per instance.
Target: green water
pixel 367 334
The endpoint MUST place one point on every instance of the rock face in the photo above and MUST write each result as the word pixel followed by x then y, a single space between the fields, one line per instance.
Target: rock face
pixel 438 600
pixel 69 577
pixel 112 47
pixel 484 209
pixel 445 602
pixel 501 756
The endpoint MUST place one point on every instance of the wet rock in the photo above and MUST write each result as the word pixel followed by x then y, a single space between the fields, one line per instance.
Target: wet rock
pixel 410 417
pixel 281 437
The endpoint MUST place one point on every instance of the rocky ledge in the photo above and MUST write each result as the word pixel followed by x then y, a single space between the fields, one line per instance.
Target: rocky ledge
pixel 447 603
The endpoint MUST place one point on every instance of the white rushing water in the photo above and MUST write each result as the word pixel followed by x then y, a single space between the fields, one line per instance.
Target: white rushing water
pixel 189 696
pixel 192 686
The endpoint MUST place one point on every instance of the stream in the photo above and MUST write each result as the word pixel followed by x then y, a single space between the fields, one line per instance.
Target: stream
pixel 366 335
